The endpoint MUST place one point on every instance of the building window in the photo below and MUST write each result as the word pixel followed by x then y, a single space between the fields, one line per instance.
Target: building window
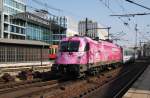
pixel 15 4
pixel 35 32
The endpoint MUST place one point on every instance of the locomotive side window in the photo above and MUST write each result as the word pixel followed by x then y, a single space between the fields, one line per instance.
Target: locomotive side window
pixel 87 47
pixel 69 46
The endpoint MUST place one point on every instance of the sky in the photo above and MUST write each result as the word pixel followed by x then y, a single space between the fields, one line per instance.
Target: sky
pixel 100 11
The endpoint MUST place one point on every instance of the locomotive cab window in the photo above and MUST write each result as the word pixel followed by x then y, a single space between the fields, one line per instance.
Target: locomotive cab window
pixel 87 47
pixel 69 46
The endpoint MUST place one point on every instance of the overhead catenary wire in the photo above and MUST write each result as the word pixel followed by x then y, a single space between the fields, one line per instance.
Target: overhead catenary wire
pixel 125 23
pixel 39 2
pixel 33 8
pixel 136 14
pixel 124 15
pixel 130 1
pixel 131 15
pixel 62 11
pixel 49 6
pixel 120 4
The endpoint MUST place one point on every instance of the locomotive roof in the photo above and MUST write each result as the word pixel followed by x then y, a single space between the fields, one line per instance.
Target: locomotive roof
pixel 107 43
pixel 79 38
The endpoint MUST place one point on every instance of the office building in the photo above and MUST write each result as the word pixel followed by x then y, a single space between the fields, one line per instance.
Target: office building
pixel 93 30
pixel 11 28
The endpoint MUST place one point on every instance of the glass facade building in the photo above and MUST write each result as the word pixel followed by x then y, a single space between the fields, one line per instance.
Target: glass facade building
pixel 37 28
pixel 11 28
pixel 60 30
pixel 14 7
pixel 17 23
pixel 58 36
pixel 31 26
pixel 36 32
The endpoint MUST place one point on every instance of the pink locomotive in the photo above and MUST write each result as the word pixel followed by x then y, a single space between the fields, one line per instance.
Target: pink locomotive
pixel 79 56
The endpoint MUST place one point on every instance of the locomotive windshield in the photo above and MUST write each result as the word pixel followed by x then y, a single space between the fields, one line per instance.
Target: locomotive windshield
pixel 69 46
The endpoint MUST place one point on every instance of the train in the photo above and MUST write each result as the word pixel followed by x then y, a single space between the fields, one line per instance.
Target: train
pixel 129 55
pixel 79 56
pixel 53 51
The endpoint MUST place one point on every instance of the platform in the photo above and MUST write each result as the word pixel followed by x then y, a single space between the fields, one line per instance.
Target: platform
pixel 141 88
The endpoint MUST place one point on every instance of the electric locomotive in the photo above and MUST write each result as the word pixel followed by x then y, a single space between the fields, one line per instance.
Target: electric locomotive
pixel 79 56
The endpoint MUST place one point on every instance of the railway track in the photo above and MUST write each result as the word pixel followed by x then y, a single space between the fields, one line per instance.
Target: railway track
pixel 93 83
pixel 22 90
pixel 25 85
pixel 119 85
pixel 63 90
pixel 125 88
pixel 13 84
pixel 19 90
pixel 104 85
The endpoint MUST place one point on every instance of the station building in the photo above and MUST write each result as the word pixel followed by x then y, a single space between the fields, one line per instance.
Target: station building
pixel 25 37
pixel 42 29
pixel 17 23
pixel 18 55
